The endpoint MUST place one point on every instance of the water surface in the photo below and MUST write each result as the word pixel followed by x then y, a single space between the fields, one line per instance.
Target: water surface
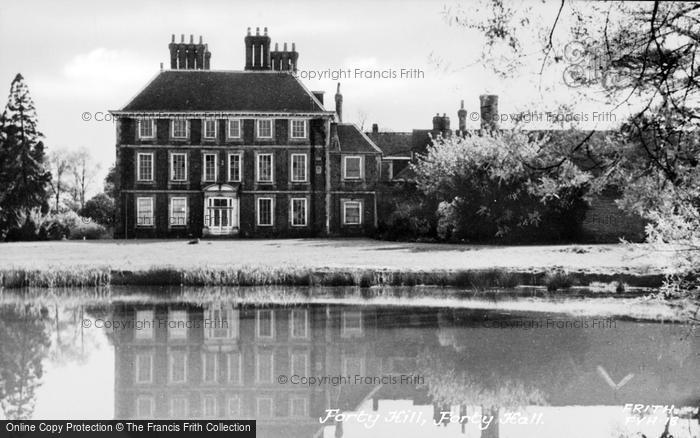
pixel 353 370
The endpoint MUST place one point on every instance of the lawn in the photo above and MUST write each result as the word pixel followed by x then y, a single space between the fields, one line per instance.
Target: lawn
pixel 336 254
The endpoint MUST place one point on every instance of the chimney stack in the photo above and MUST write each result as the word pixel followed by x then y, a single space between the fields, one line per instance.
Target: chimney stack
pixel 284 60
pixel 436 122
pixel 189 56
pixel 339 104
pixel 489 111
pixel 375 128
pixel 462 116
pixel 257 50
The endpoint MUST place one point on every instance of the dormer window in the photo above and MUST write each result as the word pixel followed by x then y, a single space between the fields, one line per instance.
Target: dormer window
pixel 264 128
pixel 179 128
pixel 147 128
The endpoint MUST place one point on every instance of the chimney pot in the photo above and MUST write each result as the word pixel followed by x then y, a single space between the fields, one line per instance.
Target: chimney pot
pixel 339 104
pixel 462 116
pixel 277 47
pixel 200 39
pixel 173 39
pixel 294 47
pixel 285 47
pixel 257 31
pixel 375 128
pixel 249 31
pixel 266 31
pixel 191 39
pixel 182 37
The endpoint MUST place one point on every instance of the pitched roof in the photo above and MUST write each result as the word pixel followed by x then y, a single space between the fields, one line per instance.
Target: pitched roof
pixel 207 90
pixel 351 139
pixel 394 144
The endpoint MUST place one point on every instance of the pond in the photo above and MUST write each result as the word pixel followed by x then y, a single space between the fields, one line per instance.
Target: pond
pixel 352 368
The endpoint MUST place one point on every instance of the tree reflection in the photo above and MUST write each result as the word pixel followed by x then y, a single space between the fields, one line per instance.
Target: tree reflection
pixel 25 343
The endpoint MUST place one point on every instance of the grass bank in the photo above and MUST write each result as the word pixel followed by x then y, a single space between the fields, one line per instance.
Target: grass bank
pixel 82 276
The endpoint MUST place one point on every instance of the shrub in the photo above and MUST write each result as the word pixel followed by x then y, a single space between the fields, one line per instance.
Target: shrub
pixel 87 230
pixel 558 280
pixel 37 226
pixel 405 214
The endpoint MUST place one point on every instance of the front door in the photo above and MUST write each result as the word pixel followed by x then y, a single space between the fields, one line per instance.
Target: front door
pixel 221 214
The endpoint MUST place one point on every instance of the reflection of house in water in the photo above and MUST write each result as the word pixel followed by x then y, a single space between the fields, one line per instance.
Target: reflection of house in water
pixel 223 361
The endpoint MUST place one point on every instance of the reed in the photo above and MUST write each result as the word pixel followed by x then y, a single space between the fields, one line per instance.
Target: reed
pixel 62 277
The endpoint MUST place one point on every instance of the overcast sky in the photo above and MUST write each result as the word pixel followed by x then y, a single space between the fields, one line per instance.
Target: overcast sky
pixel 90 56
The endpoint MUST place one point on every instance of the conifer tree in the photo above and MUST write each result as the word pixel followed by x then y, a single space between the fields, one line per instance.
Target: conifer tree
pixel 23 177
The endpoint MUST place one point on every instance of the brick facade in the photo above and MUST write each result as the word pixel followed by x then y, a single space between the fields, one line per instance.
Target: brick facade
pixel 204 153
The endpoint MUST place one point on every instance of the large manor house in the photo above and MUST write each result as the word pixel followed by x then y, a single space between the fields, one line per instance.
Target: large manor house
pixel 254 153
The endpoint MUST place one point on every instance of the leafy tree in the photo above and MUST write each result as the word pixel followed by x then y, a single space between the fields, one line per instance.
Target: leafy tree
pixel 100 208
pixel 110 182
pixel 642 55
pixel 491 185
pixel 23 178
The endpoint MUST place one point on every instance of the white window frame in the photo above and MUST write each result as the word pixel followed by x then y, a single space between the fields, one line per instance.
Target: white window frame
pixel 240 166
pixel 258 210
pixel 348 359
pixel 186 405
pixel 172 129
pixel 345 330
pixel 228 128
pixel 151 403
pixel 204 129
pixel 305 167
pixel 204 166
pixel 291 212
pixel 144 334
pixel 293 370
pixel 272 168
pixel 272 324
pixel 292 401
pixel 345 167
pixel 292 324
pixel 137 370
pixel 171 364
pixel 222 318
pixel 175 317
pixel 205 359
pixel 139 215
pixel 345 209
pixel 209 415
pixel 138 166
pixel 238 370
pixel 237 399
pixel 291 129
pixel 153 129
pixel 172 212
pixel 258 362
pixel 272 129
pixel 172 166
pixel 264 414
